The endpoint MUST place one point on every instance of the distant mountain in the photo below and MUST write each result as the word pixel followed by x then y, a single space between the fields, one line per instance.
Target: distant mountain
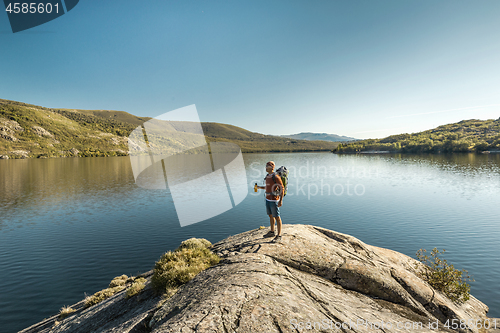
pixel 319 137
pixel 34 131
pixel 465 136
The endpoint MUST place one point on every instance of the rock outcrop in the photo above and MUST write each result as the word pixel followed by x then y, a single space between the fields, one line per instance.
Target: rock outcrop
pixel 314 280
pixel 20 153
pixel 40 131
pixel 8 128
pixel 74 152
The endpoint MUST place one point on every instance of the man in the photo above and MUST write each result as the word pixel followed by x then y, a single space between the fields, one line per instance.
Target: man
pixel 274 199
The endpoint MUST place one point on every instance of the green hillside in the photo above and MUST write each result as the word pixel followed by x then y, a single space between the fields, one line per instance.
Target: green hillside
pixel 114 116
pixel 465 136
pixel 33 131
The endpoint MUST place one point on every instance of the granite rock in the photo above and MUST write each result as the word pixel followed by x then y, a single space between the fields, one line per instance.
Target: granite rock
pixel 313 280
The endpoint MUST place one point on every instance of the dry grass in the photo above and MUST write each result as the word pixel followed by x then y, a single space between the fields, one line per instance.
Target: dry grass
pixel 118 281
pixel 102 295
pixel 176 268
pixel 171 271
pixel 65 311
pixel 136 287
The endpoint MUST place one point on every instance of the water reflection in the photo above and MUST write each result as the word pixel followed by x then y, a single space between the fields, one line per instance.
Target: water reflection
pixel 466 174
pixel 31 184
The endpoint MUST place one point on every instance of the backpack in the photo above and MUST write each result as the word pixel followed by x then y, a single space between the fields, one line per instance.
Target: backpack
pixel 282 171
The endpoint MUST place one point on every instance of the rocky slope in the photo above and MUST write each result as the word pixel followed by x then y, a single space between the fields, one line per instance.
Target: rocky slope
pixel 314 280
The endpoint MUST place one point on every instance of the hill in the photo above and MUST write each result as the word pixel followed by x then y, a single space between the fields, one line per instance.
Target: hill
pixel 112 116
pixel 34 131
pixel 465 136
pixel 319 136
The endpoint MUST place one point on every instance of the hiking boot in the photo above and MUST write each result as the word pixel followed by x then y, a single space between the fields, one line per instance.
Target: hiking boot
pixel 276 239
pixel 269 234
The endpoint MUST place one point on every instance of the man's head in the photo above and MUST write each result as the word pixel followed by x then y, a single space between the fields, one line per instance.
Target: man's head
pixel 270 166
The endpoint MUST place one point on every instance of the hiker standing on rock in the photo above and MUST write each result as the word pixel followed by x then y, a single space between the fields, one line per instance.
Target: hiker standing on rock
pixel 274 199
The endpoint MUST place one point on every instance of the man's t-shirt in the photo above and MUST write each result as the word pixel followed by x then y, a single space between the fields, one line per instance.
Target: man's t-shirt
pixel 272 186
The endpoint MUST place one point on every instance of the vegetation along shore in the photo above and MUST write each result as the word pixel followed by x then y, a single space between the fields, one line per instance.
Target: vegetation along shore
pixel 465 136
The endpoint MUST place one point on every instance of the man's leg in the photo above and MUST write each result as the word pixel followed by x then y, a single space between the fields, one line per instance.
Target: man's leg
pixel 271 220
pixel 278 222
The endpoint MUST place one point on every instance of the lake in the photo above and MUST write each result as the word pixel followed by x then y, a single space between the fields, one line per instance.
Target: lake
pixel 69 225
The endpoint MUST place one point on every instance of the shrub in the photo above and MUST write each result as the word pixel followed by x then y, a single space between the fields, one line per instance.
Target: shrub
pixel 444 277
pixel 194 243
pixel 136 287
pixel 176 268
pixel 65 311
pixel 118 281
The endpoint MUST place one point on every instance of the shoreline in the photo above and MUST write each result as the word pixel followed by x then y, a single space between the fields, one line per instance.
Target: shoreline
pixel 24 157
pixel 368 152
pixel 425 153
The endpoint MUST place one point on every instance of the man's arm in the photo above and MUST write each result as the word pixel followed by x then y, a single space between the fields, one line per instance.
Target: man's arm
pixel 280 203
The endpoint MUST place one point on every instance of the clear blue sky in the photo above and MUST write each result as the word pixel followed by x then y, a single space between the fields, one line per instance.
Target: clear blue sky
pixel 357 68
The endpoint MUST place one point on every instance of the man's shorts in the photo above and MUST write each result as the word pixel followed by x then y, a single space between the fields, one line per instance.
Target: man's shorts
pixel 272 208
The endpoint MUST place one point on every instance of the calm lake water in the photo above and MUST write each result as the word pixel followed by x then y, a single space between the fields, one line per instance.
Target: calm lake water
pixel 68 226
